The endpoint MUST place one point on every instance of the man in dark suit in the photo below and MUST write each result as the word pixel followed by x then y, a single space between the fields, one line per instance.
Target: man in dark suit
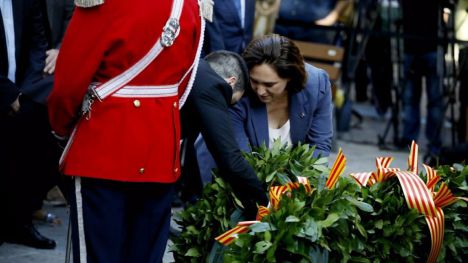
pixel 56 16
pixel 23 120
pixel 220 81
pixel 232 26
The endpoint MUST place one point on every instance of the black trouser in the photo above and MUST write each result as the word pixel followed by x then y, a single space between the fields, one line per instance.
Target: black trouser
pixel 120 222
pixel 463 96
pixel 28 160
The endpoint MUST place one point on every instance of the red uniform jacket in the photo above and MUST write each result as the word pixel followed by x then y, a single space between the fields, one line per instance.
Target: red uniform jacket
pixel 125 139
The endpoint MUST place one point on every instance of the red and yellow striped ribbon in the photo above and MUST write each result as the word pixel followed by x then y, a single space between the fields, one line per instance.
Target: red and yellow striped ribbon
pixel 413 158
pixel 436 226
pixel 432 177
pixel 336 170
pixel 383 172
pixel 362 178
pixel 444 196
pixel 275 194
pixel 418 195
pixel 304 181
pixel 228 237
pixel 262 212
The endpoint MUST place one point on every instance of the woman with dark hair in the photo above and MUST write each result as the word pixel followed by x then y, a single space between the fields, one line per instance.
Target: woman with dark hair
pixel 289 100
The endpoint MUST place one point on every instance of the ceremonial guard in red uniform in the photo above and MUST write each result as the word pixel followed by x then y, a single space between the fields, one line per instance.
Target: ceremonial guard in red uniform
pixel 124 70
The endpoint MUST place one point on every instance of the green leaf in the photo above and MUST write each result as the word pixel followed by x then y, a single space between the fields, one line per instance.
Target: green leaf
pixel 283 179
pixel 360 260
pixel 292 219
pixel 331 219
pixel 193 252
pixel 361 205
pixel 458 167
pixel 262 246
pixel 311 230
pixel 322 160
pixel 321 168
pixel 361 229
pixel 261 227
pixel 379 224
pixel 270 177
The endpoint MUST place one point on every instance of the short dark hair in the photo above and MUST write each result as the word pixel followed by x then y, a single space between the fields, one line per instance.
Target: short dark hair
pixel 229 64
pixel 282 55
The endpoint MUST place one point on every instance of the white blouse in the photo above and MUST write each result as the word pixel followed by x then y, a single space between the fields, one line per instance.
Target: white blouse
pixel 283 134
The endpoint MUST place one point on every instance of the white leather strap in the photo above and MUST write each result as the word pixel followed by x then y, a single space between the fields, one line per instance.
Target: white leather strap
pixel 170 32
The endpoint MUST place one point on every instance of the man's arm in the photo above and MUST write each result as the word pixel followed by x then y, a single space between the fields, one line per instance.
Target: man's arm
pixel 37 46
pixel 216 129
pixel 333 16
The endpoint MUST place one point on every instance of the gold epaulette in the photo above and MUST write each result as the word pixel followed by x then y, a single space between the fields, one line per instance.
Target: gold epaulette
pixel 88 3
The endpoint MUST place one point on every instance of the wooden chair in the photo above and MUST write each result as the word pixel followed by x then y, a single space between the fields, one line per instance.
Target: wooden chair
pixel 326 57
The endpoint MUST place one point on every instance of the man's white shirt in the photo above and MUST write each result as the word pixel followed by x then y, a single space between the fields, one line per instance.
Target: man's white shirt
pixel 8 23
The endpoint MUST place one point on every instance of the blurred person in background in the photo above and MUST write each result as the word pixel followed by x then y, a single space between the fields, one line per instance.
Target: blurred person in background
pixel 25 158
pixel 57 16
pixel 423 59
pixel 310 20
pixel 232 26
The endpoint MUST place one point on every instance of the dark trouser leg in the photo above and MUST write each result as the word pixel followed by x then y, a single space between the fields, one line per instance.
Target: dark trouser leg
pixel 121 222
pixel 435 104
pixel 463 96
pixel 361 81
pixel 150 213
pixel 36 153
pixel 378 52
pixel 98 220
pixel 191 181
pixel 411 99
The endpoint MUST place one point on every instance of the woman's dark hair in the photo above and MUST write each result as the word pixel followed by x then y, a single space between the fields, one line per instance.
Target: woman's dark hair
pixel 282 55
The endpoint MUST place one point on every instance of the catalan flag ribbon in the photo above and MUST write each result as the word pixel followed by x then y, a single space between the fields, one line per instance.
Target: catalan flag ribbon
pixel 305 182
pixel 418 195
pixel 275 193
pixel 229 236
pixel 336 170
pixel 262 212
pixel 432 177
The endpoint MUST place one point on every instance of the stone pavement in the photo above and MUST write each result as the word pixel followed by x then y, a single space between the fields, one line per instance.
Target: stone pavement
pixel 359 146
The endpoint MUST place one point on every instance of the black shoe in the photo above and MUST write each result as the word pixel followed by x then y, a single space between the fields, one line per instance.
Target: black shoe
pixel 29 236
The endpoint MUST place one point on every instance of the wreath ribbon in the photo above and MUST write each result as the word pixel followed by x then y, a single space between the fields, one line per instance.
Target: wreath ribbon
pixel 275 194
pixel 418 195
